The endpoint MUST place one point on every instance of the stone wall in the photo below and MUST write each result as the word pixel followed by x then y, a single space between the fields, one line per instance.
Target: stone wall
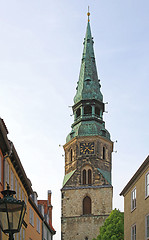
pixel 77 226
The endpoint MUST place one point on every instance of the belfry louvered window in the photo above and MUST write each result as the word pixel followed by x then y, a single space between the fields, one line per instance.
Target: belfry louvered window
pixel 87 110
pixel 84 176
pixel 89 176
pixel 71 155
pixel 104 153
pixel 78 112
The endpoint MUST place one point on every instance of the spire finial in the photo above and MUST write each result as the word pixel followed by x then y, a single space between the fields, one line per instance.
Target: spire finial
pixel 88 14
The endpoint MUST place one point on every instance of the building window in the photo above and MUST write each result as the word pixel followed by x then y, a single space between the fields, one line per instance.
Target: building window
pixel 12 182
pixel 22 195
pixel 71 155
pixel 104 153
pixel 7 172
pixel 25 199
pixel 133 199
pixel 133 232
pixel 147 185
pixel 78 112
pixel 19 192
pixel 31 217
pixel 87 110
pixel 89 176
pixel 16 187
pixel 84 176
pixel 86 205
pixel 16 236
pixel 23 234
pixel 147 226
pixel 97 111
pixel 38 225
pixel 44 233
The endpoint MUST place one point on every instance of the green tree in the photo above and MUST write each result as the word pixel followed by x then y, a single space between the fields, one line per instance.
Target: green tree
pixel 113 228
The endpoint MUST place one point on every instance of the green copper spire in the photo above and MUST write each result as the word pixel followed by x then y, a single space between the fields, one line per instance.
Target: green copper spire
pixel 88 105
pixel 88 84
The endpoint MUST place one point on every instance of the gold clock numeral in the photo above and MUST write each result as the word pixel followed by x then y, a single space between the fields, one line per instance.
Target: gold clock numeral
pixel 86 148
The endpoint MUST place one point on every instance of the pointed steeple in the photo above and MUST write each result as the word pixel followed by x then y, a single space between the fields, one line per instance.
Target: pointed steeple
pixel 88 105
pixel 88 84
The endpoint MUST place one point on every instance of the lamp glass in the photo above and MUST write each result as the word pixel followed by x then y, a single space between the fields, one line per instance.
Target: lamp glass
pixel 11 216
pixel 3 217
pixel 14 212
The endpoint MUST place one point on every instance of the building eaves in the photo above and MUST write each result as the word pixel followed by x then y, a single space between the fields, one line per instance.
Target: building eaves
pixel 50 227
pixel 9 150
pixel 21 172
pixel 35 207
pixel 135 176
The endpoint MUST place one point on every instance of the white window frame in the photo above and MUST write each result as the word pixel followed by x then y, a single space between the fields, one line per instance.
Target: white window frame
pixel 133 236
pixel 19 192
pixel 31 217
pixel 146 237
pixel 23 234
pixel 17 236
pixel 38 225
pixel 147 184
pixel 12 180
pixel 6 172
pixel 25 199
pixel 133 199
pixel 22 195
pixel 16 187
pixel 44 232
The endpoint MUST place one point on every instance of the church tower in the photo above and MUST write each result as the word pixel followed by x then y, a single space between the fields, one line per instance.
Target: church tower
pixel 87 190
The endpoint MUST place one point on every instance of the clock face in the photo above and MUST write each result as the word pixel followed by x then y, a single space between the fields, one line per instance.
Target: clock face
pixel 87 148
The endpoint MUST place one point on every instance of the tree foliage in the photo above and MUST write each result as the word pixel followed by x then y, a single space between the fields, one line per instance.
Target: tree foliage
pixel 113 228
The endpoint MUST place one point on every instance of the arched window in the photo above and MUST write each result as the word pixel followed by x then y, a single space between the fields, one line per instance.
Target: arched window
pixel 86 205
pixel 97 111
pixel 71 155
pixel 84 176
pixel 87 110
pixel 78 112
pixel 89 176
pixel 104 153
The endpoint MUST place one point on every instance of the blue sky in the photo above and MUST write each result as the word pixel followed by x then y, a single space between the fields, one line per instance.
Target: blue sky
pixel 40 56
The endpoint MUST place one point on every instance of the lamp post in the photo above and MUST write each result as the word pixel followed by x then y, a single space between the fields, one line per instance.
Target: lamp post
pixel 12 213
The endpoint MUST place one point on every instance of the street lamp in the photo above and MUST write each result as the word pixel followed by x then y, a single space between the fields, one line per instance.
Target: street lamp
pixel 12 213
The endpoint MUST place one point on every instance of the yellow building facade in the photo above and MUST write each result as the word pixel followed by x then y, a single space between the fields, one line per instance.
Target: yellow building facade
pixel 12 173
pixel 136 205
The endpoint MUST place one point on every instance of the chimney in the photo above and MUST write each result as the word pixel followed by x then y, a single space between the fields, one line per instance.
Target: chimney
pixel 49 205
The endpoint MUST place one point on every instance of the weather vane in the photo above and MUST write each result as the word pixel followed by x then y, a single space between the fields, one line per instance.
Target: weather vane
pixel 88 14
